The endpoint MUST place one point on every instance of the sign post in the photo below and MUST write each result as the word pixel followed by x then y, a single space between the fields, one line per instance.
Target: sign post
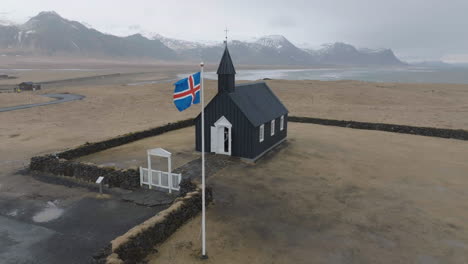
pixel 99 181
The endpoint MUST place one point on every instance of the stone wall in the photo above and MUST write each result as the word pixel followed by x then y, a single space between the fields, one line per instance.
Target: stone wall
pixel 422 131
pixel 63 165
pixel 139 241
pixel 90 148
pixel 127 179
pixel 135 245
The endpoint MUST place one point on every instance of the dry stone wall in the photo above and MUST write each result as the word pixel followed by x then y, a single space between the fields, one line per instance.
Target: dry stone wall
pixel 421 131
pixel 127 179
pixel 135 245
pixel 62 163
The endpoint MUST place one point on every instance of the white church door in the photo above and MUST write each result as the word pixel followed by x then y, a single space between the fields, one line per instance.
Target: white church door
pixel 221 140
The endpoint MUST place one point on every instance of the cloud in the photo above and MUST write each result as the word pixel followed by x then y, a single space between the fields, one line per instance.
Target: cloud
pixel 282 22
pixel 414 28
pixel 455 58
pixel 135 27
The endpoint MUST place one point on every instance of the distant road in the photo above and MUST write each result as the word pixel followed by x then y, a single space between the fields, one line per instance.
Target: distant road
pixel 61 98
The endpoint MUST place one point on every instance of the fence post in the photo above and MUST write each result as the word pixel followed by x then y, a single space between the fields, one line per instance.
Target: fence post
pixel 169 180
pixel 141 177
pixel 150 172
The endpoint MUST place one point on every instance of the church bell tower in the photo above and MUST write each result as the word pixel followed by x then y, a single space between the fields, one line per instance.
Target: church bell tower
pixel 226 73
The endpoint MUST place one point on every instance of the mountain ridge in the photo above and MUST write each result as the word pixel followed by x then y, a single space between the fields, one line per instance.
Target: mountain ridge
pixel 49 33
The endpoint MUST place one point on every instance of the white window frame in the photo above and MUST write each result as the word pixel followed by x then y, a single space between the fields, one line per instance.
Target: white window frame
pixel 262 133
pixel 272 127
pixel 282 123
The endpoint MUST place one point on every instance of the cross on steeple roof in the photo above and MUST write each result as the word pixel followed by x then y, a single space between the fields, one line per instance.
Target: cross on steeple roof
pixel 226 66
pixel 226 31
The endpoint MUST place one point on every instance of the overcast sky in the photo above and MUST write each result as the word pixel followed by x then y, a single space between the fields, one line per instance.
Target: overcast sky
pixel 414 29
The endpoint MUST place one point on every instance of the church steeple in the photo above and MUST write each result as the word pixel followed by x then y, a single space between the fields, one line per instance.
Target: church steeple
pixel 226 73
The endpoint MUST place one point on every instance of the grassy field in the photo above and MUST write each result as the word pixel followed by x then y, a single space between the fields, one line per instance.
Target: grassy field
pixel 179 142
pixel 336 195
pixel 331 195
pixel 14 99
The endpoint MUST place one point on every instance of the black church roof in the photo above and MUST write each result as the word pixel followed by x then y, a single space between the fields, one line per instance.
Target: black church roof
pixel 226 66
pixel 258 103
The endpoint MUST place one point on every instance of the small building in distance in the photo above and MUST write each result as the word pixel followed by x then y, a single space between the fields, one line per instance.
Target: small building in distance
pixel 245 120
pixel 28 86
pixel 6 76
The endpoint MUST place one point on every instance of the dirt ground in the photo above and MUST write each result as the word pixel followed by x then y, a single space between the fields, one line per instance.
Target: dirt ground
pixel 110 110
pixel 336 195
pixel 43 75
pixel 179 142
pixel 107 111
pixel 14 99
pixel 422 179
pixel 433 105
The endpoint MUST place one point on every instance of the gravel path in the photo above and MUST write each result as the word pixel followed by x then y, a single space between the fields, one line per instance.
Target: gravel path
pixel 61 98
pixel 214 163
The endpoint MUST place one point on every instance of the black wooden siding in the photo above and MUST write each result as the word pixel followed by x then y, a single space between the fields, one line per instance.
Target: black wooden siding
pixel 245 137
pixel 226 83
pixel 241 132
pixel 268 139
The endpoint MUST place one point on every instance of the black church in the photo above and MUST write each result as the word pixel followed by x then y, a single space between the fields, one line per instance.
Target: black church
pixel 244 120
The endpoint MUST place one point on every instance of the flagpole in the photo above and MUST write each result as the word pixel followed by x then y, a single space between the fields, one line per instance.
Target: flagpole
pixel 204 256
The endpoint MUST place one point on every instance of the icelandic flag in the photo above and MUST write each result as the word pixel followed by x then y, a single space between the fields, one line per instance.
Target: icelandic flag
pixel 187 92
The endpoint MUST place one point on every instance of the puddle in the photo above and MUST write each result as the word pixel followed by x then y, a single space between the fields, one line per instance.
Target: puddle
pixel 49 213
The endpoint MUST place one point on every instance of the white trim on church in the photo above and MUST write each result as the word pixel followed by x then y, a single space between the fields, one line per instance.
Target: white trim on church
pixel 262 133
pixel 272 127
pixel 221 137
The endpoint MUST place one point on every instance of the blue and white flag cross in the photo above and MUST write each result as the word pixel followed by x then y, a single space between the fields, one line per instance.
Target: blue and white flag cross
pixel 187 92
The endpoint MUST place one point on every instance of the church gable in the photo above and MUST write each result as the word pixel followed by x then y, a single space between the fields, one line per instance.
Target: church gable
pixel 222 105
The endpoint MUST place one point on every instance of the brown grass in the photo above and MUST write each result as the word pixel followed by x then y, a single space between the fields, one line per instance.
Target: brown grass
pixel 334 195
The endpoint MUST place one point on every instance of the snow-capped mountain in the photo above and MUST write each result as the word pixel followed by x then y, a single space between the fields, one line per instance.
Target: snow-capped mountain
pixel 274 41
pixel 273 49
pixel 276 49
pixel 4 22
pixel 49 33
pixel 345 54
pixel 371 51
pixel 176 44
